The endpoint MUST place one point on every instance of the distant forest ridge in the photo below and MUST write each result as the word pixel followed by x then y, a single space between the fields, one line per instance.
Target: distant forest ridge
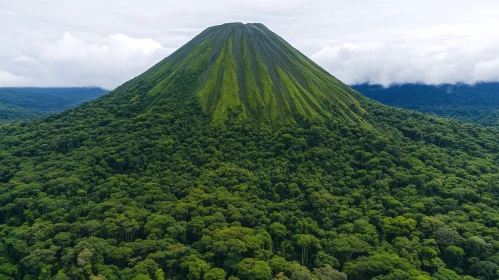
pixel 478 104
pixel 19 104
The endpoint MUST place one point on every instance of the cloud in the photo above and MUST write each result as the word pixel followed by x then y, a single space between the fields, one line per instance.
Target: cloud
pixel 107 62
pixel 75 61
pixel 25 59
pixel 116 48
pixel 8 79
pixel 402 62
pixel 7 13
pixel 385 41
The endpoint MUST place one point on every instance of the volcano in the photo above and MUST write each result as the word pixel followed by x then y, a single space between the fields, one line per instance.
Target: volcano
pixel 239 158
pixel 246 72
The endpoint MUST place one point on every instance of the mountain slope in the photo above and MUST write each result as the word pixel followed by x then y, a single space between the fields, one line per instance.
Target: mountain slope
pixel 121 188
pixel 245 71
pixel 18 104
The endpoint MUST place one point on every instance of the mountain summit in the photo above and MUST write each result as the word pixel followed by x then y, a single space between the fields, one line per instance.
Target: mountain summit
pixel 245 71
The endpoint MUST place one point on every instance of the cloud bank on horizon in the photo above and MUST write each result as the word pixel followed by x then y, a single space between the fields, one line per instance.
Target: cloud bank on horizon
pixel 107 42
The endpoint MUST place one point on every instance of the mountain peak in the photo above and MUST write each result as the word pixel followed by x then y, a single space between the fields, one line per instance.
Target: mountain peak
pixel 239 25
pixel 247 72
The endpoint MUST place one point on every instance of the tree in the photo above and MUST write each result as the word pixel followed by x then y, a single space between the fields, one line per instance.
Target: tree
pixel 453 256
pixel 142 277
pixel 299 272
pixel 397 274
pixel 487 270
pixel 84 260
pixel 398 226
pixel 99 277
pixel 446 236
pixel 61 276
pixel 92 227
pixel 430 255
pixel 157 224
pixel 194 266
pixel 39 259
pixel 146 267
pixel 328 273
pixel 215 274
pixel 476 246
pixel 376 265
pixel 278 231
pixel 159 275
pixel 346 245
pixel 252 269
pixel 7 269
pixel 306 242
pixel 446 274
pixel 280 276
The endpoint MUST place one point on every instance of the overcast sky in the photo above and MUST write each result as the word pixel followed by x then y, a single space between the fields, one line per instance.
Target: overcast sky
pixel 107 42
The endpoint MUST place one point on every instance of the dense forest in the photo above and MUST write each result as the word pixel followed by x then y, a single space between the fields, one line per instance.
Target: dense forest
pixel 19 104
pixel 145 183
pixel 478 104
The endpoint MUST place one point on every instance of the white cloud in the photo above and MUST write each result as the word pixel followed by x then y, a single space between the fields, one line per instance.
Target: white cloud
pixel 8 79
pixel 74 61
pixel 363 40
pixel 401 62
pixel 25 59
pixel 487 70
pixel 116 48
pixel 7 13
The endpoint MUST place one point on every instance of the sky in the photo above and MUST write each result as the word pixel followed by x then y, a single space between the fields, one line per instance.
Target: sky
pixel 107 42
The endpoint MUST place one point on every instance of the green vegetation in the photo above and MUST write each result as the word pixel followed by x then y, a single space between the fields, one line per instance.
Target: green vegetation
pixel 148 186
pixel 478 104
pixel 20 104
pixel 249 72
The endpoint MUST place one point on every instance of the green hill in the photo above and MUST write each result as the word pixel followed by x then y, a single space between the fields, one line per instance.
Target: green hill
pixel 244 71
pixel 20 104
pixel 174 176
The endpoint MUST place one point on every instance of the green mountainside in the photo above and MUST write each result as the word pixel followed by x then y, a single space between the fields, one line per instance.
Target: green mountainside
pixel 244 71
pixel 145 182
pixel 20 104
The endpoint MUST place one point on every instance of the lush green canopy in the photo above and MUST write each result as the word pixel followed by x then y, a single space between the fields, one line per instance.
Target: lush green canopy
pixel 168 194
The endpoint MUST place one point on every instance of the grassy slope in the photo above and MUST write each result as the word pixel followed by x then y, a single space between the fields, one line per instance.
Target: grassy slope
pixel 238 71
